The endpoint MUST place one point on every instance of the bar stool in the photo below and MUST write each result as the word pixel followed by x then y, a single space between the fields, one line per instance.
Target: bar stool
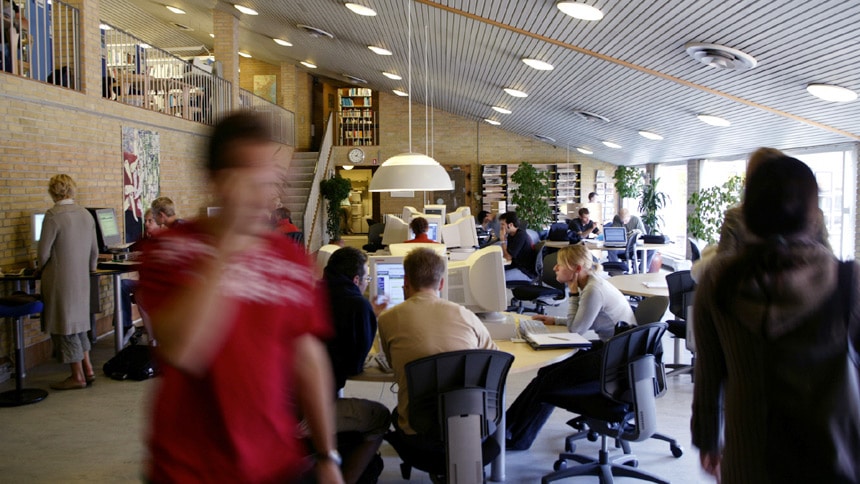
pixel 17 307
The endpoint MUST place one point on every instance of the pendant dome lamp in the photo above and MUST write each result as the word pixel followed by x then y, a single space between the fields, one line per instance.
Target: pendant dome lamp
pixel 410 171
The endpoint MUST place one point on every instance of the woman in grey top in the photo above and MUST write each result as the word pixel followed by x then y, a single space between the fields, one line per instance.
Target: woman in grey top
pixel 594 304
pixel 67 253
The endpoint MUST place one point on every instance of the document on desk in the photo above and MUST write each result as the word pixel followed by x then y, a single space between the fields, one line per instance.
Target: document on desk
pixel 556 340
pixel 656 285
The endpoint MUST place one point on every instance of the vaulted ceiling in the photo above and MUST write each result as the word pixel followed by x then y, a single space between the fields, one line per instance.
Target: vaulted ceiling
pixel 631 67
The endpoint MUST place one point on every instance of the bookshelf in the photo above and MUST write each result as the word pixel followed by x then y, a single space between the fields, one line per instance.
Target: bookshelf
pixel 498 186
pixel 356 117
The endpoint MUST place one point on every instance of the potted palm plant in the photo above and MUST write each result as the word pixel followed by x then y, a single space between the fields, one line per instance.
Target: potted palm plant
pixel 650 204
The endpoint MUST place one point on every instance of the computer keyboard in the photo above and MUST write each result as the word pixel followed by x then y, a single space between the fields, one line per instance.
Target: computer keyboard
pixel 532 326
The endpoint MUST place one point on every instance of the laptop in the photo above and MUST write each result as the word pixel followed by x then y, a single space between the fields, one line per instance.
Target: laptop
pixel 615 237
pixel 549 341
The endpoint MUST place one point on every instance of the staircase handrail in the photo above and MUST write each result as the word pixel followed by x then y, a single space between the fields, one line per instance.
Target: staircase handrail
pixel 312 218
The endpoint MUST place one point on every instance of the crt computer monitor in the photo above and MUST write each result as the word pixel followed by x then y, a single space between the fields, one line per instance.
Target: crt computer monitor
pixel 396 230
pixel 409 212
pixel 403 249
pixel 107 228
pixel 478 283
pixel 434 223
pixel 36 222
pixel 462 233
pixel 387 277
pixel 323 255
pixel 436 210
pixel 459 213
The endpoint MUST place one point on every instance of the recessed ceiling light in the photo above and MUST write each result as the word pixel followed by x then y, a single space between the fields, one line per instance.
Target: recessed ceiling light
pixel 545 139
pixel 105 27
pixel 379 50
pixel 538 64
pixel 829 92
pixel 610 144
pixel 246 10
pixel 348 167
pixel 283 42
pixel 401 93
pixel 584 151
pixel 515 92
pixel 392 75
pixel 212 35
pixel 579 10
pixel 502 110
pixel 145 46
pixel 175 10
pixel 309 65
pixel 492 121
pixel 361 9
pixel 245 54
pixel 713 120
pixel 650 135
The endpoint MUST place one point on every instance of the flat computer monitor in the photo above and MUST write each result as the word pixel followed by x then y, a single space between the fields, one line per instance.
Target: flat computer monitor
pixel 478 283
pixel 107 229
pixel 462 233
pixel 409 212
pixel 396 230
pixel 436 210
pixel 461 212
pixel 36 221
pixel 403 249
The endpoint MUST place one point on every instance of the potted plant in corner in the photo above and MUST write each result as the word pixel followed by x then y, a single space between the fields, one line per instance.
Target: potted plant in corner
pixel 651 202
pixel 532 196
pixel 335 190
pixel 709 209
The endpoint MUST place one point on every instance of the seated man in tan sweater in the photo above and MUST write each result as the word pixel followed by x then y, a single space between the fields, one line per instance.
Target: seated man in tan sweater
pixel 425 324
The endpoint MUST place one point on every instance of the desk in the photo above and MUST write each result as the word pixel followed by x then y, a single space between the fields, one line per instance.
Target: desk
pixel 634 284
pixel 525 359
pixel 637 267
pixel 115 270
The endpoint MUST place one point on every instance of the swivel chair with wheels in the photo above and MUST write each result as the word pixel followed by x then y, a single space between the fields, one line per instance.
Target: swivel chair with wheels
pixel 622 405
pixel 628 262
pixel 549 293
pixel 16 307
pixel 682 289
pixel 455 406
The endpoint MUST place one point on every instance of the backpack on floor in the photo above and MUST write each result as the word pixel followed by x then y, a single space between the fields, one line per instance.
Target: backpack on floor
pixel 134 362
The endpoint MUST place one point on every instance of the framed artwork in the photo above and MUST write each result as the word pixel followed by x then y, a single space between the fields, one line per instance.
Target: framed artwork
pixel 267 88
pixel 141 172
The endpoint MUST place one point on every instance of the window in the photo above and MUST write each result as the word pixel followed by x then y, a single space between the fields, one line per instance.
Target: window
pixel 714 173
pixel 673 182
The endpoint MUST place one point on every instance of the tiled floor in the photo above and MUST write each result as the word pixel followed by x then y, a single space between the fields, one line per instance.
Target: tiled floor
pixel 96 435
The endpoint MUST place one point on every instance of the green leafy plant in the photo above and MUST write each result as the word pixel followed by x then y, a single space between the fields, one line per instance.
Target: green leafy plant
pixel 650 204
pixel 531 196
pixel 335 190
pixel 709 208
pixel 628 181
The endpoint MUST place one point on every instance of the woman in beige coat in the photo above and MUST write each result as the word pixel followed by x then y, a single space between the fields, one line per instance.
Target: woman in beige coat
pixel 67 253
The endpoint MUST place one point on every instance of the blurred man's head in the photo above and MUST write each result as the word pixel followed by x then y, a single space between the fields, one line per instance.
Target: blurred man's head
pixel 624 215
pixel 584 215
pixel 351 263
pixel 424 269
pixel 242 168
pixel 163 210
pixel 592 197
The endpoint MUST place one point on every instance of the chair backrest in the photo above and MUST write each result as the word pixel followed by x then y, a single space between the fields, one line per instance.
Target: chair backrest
pixel 558 232
pixel 533 235
pixel 651 310
pixel 695 253
pixel 431 378
pixel 630 252
pixel 548 273
pixel 374 233
pixel 297 236
pixel 632 373
pixel 681 290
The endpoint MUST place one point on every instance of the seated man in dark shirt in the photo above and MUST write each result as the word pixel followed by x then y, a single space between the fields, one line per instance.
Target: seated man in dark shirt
pixel 584 226
pixel 517 248
pixel 354 320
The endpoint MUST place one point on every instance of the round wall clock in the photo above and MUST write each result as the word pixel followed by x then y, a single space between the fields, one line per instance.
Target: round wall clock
pixel 356 155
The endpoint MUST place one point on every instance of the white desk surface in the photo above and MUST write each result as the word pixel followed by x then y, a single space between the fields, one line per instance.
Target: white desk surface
pixel 634 284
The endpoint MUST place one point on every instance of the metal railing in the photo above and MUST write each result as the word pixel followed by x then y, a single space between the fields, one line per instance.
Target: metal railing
pixel 314 236
pixel 281 120
pixel 41 40
pixel 138 74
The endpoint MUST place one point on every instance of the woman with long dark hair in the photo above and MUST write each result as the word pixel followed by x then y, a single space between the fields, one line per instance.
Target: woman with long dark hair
pixel 772 326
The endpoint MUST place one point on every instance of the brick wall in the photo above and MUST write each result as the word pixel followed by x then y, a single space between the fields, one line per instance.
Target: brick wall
pixel 248 68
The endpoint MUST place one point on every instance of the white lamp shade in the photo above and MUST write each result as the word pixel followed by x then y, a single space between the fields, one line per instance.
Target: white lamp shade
pixel 410 172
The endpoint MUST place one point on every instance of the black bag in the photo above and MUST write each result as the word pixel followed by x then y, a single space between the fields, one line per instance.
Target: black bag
pixel 656 239
pixel 134 362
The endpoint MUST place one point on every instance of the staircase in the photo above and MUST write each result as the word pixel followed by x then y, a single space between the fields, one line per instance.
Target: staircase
pixel 298 186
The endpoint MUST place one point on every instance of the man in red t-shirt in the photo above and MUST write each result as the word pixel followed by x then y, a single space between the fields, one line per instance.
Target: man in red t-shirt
pixel 237 325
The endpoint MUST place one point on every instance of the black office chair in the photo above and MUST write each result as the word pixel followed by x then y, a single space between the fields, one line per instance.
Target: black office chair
pixel 628 260
pixel 374 237
pixel 621 406
pixel 682 289
pixel 455 406
pixel 695 253
pixel 549 293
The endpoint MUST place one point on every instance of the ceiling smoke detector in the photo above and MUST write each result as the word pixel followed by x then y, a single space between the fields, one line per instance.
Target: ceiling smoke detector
pixel 591 117
pixel 720 56
pixel 315 32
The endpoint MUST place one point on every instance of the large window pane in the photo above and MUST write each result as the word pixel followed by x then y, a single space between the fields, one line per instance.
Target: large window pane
pixel 673 182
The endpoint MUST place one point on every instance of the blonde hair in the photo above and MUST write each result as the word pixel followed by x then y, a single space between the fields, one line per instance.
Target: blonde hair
pixel 576 255
pixel 424 268
pixel 61 187
pixel 163 205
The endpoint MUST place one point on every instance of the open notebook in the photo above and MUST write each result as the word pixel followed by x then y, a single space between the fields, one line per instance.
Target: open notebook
pixel 556 340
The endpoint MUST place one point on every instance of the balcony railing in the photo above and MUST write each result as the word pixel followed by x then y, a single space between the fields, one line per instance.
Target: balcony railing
pixel 41 41
pixel 281 120
pixel 135 73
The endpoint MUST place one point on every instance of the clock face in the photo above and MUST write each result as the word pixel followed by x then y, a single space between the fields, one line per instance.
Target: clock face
pixel 356 155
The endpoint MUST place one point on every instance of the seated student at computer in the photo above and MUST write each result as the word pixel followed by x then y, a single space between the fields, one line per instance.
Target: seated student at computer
pixel 487 228
pixel 594 305
pixel 583 226
pixel 354 320
pixel 517 248
pixel 425 324
pixel 165 212
pixel 633 224
pixel 419 227
pixel 128 286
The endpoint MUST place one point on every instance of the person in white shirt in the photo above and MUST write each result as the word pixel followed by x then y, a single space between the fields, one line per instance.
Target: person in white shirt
pixel 594 305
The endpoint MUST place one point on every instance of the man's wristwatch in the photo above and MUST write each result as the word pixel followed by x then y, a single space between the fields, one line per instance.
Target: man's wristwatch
pixel 332 455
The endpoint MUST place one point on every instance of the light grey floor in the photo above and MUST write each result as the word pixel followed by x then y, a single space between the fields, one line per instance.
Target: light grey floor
pixel 96 435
